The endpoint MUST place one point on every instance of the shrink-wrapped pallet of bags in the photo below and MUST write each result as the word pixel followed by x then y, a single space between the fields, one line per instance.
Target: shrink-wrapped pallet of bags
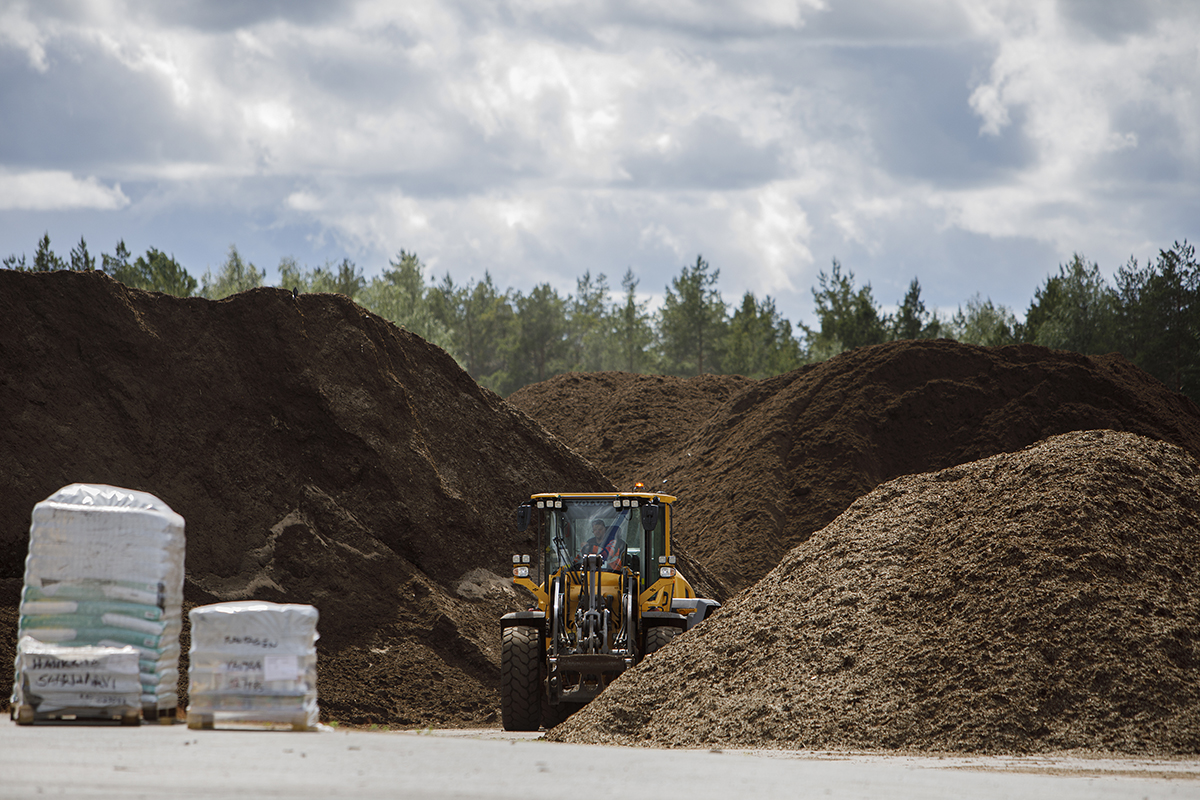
pixel 105 569
pixel 79 681
pixel 253 663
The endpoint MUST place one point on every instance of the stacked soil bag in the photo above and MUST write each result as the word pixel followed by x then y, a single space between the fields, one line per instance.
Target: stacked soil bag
pixel 105 569
pixel 253 663
pixel 93 682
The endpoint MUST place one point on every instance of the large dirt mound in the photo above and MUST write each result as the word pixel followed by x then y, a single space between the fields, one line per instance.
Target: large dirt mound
pixel 783 457
pixel 628 425
pixel 318 454
pixel 624 422
pixel 1040 600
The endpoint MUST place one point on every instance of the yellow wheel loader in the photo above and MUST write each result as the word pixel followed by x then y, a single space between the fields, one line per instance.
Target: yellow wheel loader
pixel 608 594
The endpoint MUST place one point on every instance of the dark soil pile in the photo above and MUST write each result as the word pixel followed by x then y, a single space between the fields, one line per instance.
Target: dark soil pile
pixel 623 422
pixel 628 425
pixel 1033 601
pixel 318 455
pixel 783 457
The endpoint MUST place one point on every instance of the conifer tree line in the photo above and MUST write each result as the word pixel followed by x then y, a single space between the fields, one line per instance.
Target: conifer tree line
pixel 506 339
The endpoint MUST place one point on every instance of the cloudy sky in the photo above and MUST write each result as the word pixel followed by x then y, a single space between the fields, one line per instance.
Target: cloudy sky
pixel 973 144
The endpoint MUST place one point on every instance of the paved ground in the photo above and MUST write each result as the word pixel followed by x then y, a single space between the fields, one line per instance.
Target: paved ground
pixel 154 761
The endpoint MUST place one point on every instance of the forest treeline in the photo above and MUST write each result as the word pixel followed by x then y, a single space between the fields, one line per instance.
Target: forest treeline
pixel 506 338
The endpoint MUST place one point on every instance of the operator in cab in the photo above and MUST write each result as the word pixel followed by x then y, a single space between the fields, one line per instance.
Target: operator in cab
pixel 608 545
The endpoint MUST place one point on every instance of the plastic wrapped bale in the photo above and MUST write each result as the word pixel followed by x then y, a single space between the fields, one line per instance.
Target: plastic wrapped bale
pixel 58 682
pixel 105 568
pixel 253 663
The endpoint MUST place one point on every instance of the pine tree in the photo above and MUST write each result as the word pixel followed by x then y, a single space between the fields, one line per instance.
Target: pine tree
pixel 760 342
pixel 848 314
pixel 482 328
pixel 44 260
pixel 633 328
pixel 587 321
pixel 117 265
pixel 912 320
pixel 399 295
pixel 693 321
pixel 1160 317
pixel 81 260
pixel 236 275
pixel 1074 310
pixel 983 323
pixel 158 272
pixel 542 343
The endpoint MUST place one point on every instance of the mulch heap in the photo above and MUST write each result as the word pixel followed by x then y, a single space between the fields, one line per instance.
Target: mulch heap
pixel 318 454
pixel 624 422
pixel 761 465
pixel 1041 600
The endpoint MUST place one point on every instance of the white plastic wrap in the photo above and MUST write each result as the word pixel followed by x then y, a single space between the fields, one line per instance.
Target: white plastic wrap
pixel 253 662
pixel 144 594
pixel 105 568
pixel 54 678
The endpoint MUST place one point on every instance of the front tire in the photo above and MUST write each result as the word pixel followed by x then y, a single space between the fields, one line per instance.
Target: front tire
pixel 659 637
pixel 556 715
pixel 520 678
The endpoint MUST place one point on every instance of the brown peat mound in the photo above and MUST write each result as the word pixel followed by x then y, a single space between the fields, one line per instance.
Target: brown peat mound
pixel 318 454
pixel 761 471
pixel 624 422
pixel 627 425
pixel 1032 601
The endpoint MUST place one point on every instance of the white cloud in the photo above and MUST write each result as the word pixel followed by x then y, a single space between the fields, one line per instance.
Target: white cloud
pixel 775 227
pixel 859 216
pixel 1084 104
pixel 304 201
pixel 986 102
pixel 731 14
pixel 18 30
pixel 55 190
pixel 164 55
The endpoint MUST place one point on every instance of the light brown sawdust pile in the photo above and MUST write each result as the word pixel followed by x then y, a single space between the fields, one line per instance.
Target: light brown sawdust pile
pixel 1033 601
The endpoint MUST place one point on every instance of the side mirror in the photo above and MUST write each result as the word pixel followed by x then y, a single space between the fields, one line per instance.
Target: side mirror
pixel 650 517
pixel 524 514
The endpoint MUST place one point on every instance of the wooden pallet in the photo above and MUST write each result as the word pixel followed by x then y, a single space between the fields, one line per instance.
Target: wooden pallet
pixel 26 715
pixel 199 721
pixel 163 716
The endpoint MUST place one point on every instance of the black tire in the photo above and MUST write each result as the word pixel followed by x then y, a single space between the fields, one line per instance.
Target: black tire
pixel 520 679
pixel 555 715
pixel 659 637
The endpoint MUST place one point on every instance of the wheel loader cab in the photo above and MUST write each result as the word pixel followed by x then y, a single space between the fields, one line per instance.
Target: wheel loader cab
pixel 575 528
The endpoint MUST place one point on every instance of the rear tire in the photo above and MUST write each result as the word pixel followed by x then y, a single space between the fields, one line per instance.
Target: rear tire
pixel 659 637
pixel 520 678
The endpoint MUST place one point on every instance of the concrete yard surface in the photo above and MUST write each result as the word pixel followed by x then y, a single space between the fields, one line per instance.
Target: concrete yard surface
pixel 154 761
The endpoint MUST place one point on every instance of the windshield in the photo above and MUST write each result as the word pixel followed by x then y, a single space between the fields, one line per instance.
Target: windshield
pixel 583 527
